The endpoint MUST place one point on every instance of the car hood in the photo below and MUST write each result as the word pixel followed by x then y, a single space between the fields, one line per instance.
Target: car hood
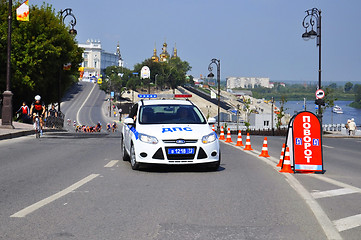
pixel 176 131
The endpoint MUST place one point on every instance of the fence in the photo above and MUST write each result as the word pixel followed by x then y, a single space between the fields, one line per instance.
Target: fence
pixel 55 122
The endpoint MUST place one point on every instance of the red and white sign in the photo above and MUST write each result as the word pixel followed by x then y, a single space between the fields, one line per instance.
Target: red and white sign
pixel 307 143
pixel 320 94
pixel 145 72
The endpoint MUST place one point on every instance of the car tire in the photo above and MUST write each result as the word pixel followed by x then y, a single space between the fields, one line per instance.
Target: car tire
pixel 125 155
pixel 133 159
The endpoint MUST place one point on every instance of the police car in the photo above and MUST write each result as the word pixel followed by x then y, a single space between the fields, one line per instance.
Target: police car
pixel 174 132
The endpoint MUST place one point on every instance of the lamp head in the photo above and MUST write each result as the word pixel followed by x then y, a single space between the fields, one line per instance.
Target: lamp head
pixel 306 36
pixel 73 32
pixel 312 34
pixel 210 75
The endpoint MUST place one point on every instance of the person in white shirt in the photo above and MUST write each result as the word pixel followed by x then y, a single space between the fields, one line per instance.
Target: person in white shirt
pixel 352 127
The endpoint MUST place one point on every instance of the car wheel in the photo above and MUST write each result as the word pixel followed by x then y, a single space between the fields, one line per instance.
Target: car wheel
pixel 133 161
pixel 125 155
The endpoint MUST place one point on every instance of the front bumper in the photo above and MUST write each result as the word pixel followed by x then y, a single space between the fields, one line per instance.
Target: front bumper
pixel 157 153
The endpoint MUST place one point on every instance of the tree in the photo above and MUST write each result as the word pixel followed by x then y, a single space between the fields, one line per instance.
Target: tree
pixel 281 112
pixel 329 98
pixel 348 86
pixel 171 74
pixel 357 102
pixel 40 48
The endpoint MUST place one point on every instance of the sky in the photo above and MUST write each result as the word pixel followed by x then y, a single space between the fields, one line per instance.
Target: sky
pixel 251 38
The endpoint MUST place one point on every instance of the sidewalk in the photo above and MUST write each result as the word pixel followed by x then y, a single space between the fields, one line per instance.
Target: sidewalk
pixel 21 129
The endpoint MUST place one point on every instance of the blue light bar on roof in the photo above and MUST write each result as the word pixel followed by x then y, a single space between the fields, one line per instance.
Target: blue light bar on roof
pixel 147 95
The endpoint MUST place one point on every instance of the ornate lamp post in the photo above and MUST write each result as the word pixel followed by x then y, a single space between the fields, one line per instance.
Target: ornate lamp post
pixel 210 69
pixel 63 14
pixel 7 109
pixel 313 16
pixel 66 13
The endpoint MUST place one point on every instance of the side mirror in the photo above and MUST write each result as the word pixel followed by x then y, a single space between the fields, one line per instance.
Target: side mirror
pixel 211 120
pixel 129 121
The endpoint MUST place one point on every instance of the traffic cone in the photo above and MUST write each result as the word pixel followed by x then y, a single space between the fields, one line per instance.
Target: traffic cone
pixel 281 157
pixel 264 152
pixel 287 162
pixel 221 137
pixel 239 139
pixel 229 139
pixel 248 143
pixel 213 128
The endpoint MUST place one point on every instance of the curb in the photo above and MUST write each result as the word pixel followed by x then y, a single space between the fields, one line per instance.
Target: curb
pixel 26 133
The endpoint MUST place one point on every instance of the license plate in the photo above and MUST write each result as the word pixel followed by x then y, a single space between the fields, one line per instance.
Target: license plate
pixel 180 150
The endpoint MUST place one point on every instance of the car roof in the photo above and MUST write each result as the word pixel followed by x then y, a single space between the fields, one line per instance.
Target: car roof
pixel 165 102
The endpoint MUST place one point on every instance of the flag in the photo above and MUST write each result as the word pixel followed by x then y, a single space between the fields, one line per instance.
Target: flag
pixel 67 66
pixel 22 12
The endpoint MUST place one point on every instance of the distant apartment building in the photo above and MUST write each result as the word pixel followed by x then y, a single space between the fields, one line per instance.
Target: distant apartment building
pixel 96 60
pixel 247 82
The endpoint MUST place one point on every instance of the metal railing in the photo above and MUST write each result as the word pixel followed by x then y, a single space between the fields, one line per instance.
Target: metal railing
pixel 55 122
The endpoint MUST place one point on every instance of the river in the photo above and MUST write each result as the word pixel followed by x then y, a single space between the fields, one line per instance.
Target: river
pixel 329 117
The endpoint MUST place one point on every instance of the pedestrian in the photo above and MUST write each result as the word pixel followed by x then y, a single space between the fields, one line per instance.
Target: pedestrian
pixel 52 112
pixel 352 127
pixel 24 112
pixel 51 116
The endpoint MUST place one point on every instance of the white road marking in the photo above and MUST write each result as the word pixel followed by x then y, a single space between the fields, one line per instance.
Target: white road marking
pixel 334 182
pixel 77 114
pixel 327 225
pixel 333 193
pixel 36 206
pixel 327 146
pixel 348 223
pixel 111 163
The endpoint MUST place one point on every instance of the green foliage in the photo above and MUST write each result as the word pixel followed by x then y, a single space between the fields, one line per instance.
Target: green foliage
pixel 357 102
pixel 169 74
pixel 281 112
pixel 299 91
pixel 348 86
pixel 40 48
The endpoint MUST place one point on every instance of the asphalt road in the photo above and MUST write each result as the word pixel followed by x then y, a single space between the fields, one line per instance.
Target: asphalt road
pixel 75 186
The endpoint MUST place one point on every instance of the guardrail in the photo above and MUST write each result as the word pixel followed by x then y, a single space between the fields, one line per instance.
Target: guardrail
pixel 55 122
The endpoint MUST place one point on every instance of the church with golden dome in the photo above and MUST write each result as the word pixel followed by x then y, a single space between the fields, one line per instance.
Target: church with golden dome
pixel 164 56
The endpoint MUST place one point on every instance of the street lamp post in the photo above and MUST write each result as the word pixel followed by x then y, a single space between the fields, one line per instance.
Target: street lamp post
pixel 210 69
pixel 313 16
pixel 7 108
pixel 64 14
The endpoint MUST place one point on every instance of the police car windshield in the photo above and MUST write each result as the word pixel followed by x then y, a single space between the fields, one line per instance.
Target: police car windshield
pixel 170 114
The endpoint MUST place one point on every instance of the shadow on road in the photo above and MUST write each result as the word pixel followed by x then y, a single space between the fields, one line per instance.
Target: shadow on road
pixel 155 168
pixel 72 135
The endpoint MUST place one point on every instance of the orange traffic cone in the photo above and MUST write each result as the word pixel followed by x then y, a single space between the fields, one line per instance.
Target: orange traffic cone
pixel 221 137
pixel 229 139
pixel 213 128
pixel 264 152
pixel 281 157
pixel 287 162
pixel 239 139
pixel 248 143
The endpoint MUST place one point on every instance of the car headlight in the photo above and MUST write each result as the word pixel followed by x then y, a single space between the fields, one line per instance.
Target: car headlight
pixel 147 139
pixel 209 138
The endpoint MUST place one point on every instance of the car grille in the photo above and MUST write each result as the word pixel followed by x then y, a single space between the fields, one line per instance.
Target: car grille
pixel 173 141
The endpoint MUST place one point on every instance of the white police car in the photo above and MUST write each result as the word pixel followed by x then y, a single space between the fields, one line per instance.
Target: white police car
pixel 169 132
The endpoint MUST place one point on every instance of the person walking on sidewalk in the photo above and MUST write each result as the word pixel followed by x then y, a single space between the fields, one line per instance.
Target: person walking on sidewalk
pixel 352 127
pixel 24 113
